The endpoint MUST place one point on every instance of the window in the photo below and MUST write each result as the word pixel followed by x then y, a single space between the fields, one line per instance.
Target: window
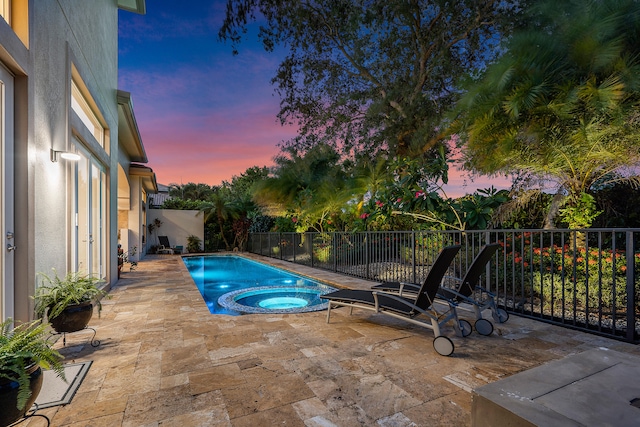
pixel 82 108
pixel 5 10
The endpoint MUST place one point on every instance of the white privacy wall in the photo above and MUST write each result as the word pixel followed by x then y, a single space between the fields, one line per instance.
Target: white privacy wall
pixel 177 225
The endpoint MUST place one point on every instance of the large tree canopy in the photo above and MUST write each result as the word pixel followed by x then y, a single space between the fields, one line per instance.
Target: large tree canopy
pixel 372 75
pixel 562 104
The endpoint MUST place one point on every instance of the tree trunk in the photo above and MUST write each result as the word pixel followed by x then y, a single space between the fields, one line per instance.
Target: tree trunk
pixel 224 239
pixel 554 210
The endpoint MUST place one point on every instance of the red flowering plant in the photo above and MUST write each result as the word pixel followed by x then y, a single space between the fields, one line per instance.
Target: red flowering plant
pixel 561 274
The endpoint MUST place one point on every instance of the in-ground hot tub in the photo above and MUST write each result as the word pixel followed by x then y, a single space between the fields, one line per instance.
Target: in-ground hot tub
pixel 276 299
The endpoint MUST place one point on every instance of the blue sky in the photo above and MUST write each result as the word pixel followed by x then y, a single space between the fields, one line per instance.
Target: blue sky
pixel 204 114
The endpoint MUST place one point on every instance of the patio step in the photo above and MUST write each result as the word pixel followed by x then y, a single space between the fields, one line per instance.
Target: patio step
pixel 594 388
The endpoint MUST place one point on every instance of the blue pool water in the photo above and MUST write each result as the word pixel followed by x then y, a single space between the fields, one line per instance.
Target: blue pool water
pixel 268 289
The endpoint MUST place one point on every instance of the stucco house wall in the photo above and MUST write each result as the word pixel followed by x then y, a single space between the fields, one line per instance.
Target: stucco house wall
pixel 69 33
pixel 43 45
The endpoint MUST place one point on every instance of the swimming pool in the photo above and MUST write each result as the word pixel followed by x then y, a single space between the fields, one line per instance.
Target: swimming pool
pixel 268 289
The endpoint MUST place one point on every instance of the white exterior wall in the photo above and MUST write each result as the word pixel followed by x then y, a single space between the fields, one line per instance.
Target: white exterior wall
pixel 61 33
pixel 177 225
pixel 83 34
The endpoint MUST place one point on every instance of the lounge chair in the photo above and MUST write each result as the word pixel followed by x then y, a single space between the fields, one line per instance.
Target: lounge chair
pixel 464 293
pixel 407 308
pixel 165 246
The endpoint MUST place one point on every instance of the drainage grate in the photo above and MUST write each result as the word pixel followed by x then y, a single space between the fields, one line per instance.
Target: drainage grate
pixel 635 402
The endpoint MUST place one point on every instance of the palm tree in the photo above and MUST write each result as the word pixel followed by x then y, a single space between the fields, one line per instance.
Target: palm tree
pixel 561 104
pixel 306 184
pixel 191 191
pixel 221 209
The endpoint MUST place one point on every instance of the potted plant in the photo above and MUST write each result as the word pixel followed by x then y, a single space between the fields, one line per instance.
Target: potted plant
pixel 123 258
pixel 68 301
pixel 24 351
pixel 193 244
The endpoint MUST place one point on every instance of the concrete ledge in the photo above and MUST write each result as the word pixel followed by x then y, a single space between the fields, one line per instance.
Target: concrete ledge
pixel 594 388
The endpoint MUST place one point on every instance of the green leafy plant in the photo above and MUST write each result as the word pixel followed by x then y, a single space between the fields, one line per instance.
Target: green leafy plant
pixel 22 346
pixel 193 244
pixel 124 257
pixel 56 293
pixel 580 212
pixel 154 226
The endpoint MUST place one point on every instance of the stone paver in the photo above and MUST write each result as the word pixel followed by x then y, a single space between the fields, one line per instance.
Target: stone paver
pixel 164 360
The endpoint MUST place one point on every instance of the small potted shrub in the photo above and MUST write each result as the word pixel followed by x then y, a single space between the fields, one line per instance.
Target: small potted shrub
pixel 193 244
pixel 124 258
pixel 24 351
pixel 68 301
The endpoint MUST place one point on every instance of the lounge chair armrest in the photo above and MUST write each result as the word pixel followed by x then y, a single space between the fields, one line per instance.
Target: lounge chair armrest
pixel 408 285
pixel 394 297
pixel 402 286
pixel 454 292
pixel 450 301
pixel 398 298
pixel 484 291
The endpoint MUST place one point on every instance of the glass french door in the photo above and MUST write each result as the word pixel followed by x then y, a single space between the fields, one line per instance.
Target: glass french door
pixel 7 249
pixel 89 213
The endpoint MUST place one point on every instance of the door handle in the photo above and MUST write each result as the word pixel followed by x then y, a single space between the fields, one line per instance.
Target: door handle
pixel 10 247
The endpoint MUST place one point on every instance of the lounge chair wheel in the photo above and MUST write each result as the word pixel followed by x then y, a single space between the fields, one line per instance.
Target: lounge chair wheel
pixel 500 315
pixel 484 327
pixel 465 327
pixel 443 345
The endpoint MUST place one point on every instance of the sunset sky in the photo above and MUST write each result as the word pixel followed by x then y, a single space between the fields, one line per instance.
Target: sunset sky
pixel 204 114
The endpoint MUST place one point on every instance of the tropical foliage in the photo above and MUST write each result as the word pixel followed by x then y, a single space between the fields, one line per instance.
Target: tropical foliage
pixel 57 293
pixel 560 275
pixel 561 105
pixel 546 93
pixel 22 346
pixel 372 77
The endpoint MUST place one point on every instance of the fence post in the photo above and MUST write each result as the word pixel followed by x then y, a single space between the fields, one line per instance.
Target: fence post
pixel 413 257
pixel 310 246
pixel 366 253
pixel 631 303
pixel 294 242
pixel 334 250
pixel 487 268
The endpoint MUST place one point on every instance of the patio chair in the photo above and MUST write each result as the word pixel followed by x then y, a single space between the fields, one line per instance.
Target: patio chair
pixel 408 308
pixel 468 286
pixel 165 246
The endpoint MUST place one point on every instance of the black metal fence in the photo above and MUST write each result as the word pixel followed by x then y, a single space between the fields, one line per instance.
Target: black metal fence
pixel 582 279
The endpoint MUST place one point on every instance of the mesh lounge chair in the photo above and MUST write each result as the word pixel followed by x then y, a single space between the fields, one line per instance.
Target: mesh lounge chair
pixel 165 246
pixel 407 308
pixel 468 286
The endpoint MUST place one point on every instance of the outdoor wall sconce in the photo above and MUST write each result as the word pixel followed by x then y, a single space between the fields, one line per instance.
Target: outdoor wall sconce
pixel 56 155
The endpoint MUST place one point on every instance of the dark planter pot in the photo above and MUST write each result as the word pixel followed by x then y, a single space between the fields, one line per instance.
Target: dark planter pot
pixel 9 412
pixel 73 318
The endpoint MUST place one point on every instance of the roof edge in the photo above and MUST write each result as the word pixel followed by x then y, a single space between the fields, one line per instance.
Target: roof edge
pixel 126 105
pixel 135 6
pixel 148 176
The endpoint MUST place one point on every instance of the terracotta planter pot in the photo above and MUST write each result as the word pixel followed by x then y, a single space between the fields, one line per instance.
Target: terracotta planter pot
pixel 9 412
pixel 73 318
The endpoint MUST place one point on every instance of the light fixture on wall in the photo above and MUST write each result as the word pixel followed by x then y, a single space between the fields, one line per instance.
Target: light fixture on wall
pixel 56 155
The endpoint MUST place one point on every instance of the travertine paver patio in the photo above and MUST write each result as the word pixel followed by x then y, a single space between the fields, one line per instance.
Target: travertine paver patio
pixel 164 360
